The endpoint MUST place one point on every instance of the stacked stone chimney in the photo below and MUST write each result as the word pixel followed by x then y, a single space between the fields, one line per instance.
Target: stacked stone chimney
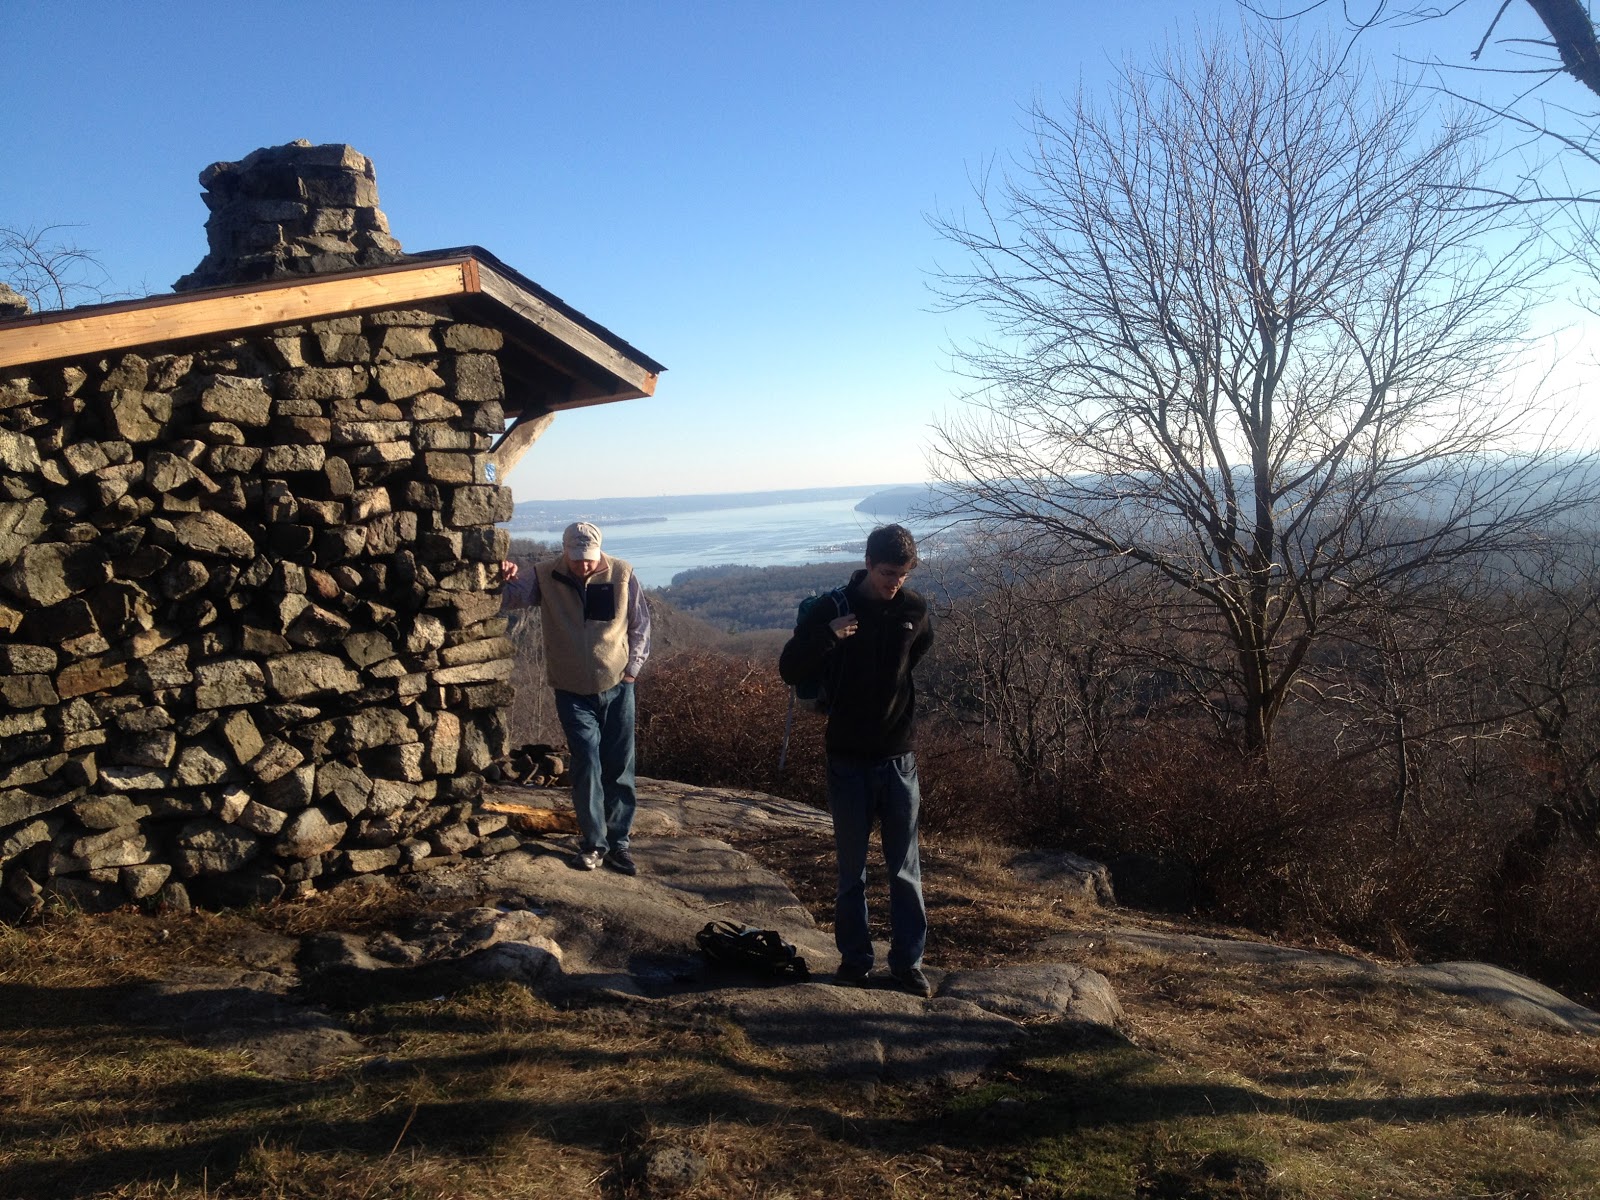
pixel 290 210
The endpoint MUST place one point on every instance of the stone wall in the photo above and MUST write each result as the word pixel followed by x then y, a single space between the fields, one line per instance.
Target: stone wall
pixel 249 634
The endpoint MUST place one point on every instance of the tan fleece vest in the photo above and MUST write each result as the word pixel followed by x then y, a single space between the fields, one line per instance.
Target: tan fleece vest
pixel 587 657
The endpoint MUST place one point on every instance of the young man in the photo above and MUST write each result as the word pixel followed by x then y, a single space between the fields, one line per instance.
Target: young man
pixel 863 657
pixel 596 640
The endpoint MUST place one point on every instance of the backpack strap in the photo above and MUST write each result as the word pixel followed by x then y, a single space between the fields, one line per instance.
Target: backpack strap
pixel 788 728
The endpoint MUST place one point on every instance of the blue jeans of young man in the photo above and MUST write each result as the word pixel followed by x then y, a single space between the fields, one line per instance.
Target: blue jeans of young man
pixel 887 792
pixel 599 733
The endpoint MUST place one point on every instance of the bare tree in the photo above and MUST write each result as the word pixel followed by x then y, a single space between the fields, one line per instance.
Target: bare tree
pixel 1249 342
pixel 1552 669
pixel 1571 48
pixel 1047 661
pixel 48 268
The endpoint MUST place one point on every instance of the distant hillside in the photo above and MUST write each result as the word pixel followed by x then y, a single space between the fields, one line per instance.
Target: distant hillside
pixel 741 599
pixel 907 500
pixel 750 601
pixel 673 630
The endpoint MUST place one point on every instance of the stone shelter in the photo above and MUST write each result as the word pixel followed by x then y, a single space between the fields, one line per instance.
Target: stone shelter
pixel 249 550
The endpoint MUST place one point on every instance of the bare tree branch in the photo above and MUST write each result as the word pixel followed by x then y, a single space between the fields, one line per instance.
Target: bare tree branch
pixel 48 269
pixel 1572 31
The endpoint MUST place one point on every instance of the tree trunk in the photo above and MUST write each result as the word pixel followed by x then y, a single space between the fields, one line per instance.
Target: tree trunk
pixel 1573 33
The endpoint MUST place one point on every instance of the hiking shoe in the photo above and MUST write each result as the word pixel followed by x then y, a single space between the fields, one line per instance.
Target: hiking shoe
pixel 914 981
pixel 588 860
pixel 621 862
pixel 852 976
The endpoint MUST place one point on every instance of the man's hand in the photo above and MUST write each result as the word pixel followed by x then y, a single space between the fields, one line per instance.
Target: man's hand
pixel 508 570
pixel 844 626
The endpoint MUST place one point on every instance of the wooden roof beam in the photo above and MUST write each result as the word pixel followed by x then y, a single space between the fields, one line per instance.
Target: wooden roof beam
pixel 73 334
pixel 598 371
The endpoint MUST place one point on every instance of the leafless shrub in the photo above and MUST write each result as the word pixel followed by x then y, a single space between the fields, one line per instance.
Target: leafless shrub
pixel 49 269
pixel 717 720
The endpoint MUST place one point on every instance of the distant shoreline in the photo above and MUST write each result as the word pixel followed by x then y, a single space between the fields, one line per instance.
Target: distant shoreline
pixel 618 510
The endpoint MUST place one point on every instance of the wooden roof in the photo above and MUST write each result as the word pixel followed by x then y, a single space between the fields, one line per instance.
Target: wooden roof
pixel 554 358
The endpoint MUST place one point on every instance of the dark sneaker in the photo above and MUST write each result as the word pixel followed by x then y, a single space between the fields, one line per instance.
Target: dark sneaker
pixel 621 862
pixel 852 976
pixel 587 860
pixel 914 981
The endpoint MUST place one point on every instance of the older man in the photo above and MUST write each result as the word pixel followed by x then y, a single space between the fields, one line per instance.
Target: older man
pixel 596 640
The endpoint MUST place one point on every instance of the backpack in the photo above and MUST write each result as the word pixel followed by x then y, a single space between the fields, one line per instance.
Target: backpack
pixel 728 945
pixel 813 697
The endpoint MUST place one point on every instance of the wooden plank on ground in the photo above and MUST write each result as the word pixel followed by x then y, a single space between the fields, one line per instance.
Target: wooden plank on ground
pixel 534 818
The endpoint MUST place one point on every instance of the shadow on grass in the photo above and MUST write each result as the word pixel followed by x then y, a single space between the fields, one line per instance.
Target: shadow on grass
pixel 1084 1080
pixel 27 1008
pixel 453 1105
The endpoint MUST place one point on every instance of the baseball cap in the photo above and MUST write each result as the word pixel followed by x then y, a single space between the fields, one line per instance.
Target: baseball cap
pixel 581 541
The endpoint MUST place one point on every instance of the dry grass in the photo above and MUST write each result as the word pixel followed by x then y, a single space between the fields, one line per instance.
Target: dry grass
pixel 1233 1082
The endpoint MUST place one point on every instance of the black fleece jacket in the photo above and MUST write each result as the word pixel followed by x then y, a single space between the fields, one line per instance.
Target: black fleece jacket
pixel 872 699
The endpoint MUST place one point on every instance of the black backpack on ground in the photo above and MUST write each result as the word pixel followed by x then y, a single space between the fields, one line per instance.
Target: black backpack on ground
pixel 761 950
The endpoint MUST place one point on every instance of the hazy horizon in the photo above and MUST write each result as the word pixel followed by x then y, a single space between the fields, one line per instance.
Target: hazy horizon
pixel 809 492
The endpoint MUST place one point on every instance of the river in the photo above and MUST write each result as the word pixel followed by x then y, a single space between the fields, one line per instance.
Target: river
pixel 766 535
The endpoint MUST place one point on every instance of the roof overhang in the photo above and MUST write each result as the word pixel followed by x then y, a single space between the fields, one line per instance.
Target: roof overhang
pixel 554 358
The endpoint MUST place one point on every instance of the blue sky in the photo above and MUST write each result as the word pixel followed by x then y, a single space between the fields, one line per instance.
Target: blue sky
pixel 739 189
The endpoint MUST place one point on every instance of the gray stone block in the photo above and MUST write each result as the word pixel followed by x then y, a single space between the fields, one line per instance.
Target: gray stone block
pixel 109 812
pixel 208 847
pixel 143 880
pixel 309 834
pixel 211 533
pixel 231 684
pixel 139 416
pixel 309 673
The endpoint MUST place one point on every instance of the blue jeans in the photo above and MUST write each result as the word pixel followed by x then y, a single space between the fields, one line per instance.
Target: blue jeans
pixel 599 733
pixel 885 791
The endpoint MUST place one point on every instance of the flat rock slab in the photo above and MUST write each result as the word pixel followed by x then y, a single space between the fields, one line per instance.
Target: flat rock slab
pixel 634 936
pixel 1517 996
pixel 883 1034
pixel 725 810
pixel 671 809
pixel 574 936
pixel 607 923
pixel 1057 991
pixel 871 1034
